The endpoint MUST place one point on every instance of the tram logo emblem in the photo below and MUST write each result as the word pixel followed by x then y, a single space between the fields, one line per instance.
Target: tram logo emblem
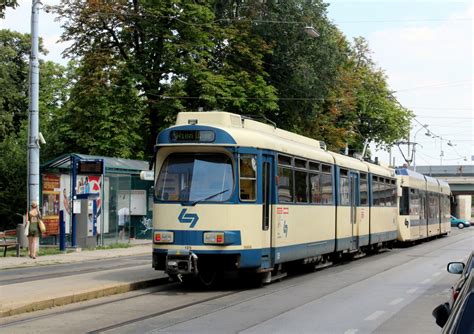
pixel 186 218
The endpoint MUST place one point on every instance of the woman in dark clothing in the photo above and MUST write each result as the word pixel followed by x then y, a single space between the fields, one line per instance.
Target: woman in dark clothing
pixel 34 232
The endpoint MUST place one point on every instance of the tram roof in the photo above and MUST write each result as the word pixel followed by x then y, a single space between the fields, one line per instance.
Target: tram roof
pixel 251 133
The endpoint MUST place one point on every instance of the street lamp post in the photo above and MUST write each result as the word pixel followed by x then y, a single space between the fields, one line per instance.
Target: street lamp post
pixel 34 137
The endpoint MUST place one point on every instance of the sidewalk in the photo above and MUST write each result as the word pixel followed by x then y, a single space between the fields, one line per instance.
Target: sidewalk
pixel 84 255
pixel 43 293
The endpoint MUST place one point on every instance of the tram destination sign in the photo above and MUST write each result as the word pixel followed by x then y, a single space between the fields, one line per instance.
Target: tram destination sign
pixel 95 167
pixel 192 136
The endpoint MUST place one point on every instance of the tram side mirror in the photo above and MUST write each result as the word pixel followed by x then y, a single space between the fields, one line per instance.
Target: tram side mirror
pixel 455 267
pixel 441 314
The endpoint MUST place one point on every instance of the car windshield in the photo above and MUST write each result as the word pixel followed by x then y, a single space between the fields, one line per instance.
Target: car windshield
pixel 195 178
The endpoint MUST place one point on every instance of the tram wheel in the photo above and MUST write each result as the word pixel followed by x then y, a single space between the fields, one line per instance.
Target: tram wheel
pixel 208 278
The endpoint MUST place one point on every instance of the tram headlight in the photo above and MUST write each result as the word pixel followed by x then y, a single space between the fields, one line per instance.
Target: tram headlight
pixel 214 238
pixel 163 237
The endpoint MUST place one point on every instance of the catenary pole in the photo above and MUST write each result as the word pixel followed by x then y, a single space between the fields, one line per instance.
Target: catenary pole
pixel 33 122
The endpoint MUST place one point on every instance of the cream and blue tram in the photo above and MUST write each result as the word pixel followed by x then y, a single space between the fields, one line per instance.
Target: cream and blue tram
pixel 424 207
pixel 445 207
pixel 234 194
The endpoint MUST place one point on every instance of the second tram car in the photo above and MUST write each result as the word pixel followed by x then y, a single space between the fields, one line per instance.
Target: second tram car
pixel 234 194
pixel 424 206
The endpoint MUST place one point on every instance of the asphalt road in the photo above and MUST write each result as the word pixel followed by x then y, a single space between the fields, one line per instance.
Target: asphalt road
pixel 392 292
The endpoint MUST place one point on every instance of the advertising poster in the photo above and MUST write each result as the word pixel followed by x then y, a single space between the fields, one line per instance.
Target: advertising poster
pixel 92 185
pixel 51 202
pixel 65 200
pixel 88 184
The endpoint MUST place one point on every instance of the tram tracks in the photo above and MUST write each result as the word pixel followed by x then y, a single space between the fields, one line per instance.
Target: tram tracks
pixel 29 274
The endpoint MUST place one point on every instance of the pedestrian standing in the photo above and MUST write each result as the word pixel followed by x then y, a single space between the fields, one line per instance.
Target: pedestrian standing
pixel 34 232
pixel 123 214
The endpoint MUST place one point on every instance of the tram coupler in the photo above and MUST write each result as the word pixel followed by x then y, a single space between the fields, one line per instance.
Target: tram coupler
pixel 181 262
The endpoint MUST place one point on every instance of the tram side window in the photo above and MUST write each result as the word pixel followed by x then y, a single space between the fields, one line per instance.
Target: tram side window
pixel 326 184
pixel 301 186
pixel 423 199
pixel 315 188
pixel 285 185
pixel 248 178
pixel 364 191
pixel 344 188
pixel 415 202
pixel 404 202
pixel 390 193
pixel 433 206
pixel 446 206
pixel 375 191
pixel 393 188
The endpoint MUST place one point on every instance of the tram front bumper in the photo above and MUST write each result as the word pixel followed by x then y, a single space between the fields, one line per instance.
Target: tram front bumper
pixel 181 262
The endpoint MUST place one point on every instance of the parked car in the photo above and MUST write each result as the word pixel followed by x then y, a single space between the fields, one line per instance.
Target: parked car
pixel 460 268
pixel 459 319
pixel 460 223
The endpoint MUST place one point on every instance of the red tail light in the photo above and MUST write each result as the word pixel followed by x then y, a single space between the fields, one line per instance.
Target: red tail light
pixel 455 295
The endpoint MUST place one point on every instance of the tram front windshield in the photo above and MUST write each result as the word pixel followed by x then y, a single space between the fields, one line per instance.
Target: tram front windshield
pixel 195 178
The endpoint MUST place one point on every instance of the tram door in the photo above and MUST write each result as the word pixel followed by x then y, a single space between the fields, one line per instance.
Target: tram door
pixel 354 201
pixel 423 215
pixel 268 179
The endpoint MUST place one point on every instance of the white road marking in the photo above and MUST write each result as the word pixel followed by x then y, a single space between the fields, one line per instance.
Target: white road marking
pixel 396 301
pixel 351 331
pixel 436 274
pixel 426 281
pixel 374 315
pixel 412 290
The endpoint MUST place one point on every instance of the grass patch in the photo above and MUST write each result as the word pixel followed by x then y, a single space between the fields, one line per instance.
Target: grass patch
pixel 112 246
pixel 53 250
pixel 43 251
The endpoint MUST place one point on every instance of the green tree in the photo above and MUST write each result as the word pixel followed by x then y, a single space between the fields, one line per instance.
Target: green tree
pixel 13 180
pixel 14 52
pixel 6 3
pixel 104 114
pixel 303 70
pixel 379 118
pixel 14 67
pixel 175 52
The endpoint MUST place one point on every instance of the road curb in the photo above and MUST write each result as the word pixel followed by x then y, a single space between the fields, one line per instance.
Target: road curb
pixel 80 297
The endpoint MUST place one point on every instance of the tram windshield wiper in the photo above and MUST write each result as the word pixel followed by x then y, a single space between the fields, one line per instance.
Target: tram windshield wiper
pixel 209 197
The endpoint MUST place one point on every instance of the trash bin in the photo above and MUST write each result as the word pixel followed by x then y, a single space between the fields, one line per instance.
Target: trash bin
pixel 20 234
pixel 132 232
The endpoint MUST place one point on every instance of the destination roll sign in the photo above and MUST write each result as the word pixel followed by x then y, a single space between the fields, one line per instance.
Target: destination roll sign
pixel 192 136
pixel 95 167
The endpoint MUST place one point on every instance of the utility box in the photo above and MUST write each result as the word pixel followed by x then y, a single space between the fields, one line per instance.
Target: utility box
pixel 85 227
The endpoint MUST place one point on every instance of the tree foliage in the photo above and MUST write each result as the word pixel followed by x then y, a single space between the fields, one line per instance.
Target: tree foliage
pixel 6 3
pixel 14 79
pixel 174 53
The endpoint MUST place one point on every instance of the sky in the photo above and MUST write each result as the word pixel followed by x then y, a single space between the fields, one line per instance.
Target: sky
pixel 425 48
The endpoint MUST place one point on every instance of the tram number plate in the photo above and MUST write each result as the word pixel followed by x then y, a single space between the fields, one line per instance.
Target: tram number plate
pixel 188 247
